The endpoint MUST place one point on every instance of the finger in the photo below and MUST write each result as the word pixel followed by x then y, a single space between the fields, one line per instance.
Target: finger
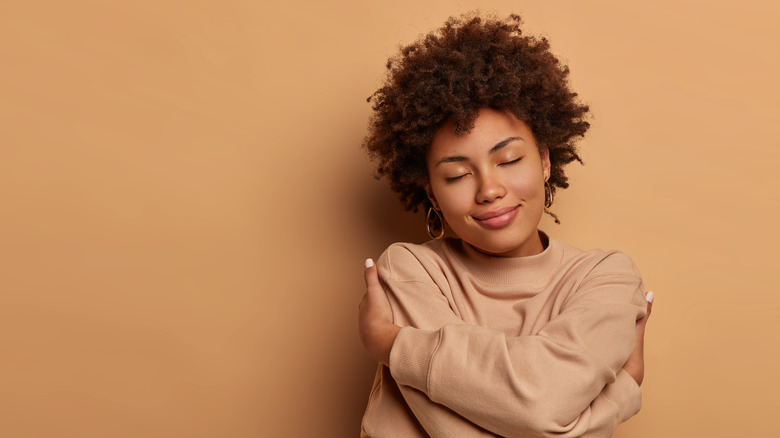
pixel 649 296
pixel 371 276
pixel 363 301
pixel 376 298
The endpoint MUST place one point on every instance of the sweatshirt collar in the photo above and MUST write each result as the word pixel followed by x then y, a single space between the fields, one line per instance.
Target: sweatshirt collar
pixel 508 270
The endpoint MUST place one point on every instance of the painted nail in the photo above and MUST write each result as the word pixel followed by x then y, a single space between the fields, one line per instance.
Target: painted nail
pixel 649 297
pixel 369 263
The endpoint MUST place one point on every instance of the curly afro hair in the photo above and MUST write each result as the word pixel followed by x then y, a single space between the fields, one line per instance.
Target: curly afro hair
pixel 468 64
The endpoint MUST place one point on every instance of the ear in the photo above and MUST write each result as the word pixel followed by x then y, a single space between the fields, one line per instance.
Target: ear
pixel 431 197
pixel 545 155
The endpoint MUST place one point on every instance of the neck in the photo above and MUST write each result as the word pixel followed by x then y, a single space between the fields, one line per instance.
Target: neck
pixel 535 245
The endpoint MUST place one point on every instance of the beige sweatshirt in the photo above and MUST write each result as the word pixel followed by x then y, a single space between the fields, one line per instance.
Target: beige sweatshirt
pixel 516 347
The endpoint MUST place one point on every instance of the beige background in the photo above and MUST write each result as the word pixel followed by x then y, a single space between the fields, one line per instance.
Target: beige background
pixel 184 207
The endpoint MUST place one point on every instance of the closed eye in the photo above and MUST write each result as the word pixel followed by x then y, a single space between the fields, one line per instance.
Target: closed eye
pixel 455 178
pixel 506 163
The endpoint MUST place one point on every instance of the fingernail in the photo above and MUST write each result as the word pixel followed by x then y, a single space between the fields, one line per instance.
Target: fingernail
pixel 649 297
pixel 369 263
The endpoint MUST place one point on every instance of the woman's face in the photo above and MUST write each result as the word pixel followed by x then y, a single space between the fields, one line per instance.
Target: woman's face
pixel 489 183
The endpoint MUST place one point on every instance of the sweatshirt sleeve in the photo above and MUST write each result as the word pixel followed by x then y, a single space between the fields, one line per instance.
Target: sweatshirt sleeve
pixel 567 380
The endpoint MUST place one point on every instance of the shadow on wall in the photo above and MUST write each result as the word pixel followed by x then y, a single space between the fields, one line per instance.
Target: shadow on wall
pixel 384 219
pixel 378 220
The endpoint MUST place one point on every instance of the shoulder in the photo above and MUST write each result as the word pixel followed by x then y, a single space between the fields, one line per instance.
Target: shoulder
pixel 604 277
pixel 597 262
pixel 409 261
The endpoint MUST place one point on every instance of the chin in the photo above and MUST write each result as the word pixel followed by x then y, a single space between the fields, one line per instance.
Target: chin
pixel 506 244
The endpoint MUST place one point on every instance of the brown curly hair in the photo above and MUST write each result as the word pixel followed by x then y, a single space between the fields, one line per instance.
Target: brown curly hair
pixel 468 64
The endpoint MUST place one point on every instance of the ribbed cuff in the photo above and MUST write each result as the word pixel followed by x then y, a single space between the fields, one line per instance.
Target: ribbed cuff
pixel 411 355
pixel 625 394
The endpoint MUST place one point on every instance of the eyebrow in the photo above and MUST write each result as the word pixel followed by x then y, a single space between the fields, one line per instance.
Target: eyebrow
pixel 500 145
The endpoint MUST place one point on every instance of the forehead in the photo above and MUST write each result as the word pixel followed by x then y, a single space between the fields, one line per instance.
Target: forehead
pixel 490 127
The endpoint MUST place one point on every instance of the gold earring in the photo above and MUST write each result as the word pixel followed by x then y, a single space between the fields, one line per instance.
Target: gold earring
pixel 548 195
pixel 429 221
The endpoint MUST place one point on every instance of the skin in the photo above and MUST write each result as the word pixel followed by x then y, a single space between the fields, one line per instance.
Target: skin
pixel 488 184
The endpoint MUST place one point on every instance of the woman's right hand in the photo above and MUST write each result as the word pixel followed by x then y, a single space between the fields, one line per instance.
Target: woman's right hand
pixel 635 365
pixel 375 318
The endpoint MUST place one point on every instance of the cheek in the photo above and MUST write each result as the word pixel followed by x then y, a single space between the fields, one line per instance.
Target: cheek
pixel 529 185
pixel 453 199
pixel 533 190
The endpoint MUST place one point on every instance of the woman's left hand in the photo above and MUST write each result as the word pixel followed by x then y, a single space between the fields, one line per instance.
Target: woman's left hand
pixel 375 318
pixel 635 365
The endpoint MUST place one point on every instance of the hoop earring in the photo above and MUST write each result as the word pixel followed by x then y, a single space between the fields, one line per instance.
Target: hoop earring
pixel 548 195
pixel 429 221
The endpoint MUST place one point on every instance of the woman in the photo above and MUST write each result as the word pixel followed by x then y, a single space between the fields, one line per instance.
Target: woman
pixel 501 331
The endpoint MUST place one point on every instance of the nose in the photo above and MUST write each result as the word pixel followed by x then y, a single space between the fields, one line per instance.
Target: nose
pixel 490 188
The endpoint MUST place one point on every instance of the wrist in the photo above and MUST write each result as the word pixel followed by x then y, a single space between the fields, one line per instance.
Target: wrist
pixel 383 336
pixel 635 367
pixel 389 335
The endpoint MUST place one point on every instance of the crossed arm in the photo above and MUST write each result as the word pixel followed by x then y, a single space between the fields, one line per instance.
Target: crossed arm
pixel 598 416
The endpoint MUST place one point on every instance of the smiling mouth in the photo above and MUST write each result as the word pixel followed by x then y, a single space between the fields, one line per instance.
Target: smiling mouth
pixel 497 218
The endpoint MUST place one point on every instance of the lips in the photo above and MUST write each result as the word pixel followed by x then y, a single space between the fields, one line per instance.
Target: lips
pixel 497 218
